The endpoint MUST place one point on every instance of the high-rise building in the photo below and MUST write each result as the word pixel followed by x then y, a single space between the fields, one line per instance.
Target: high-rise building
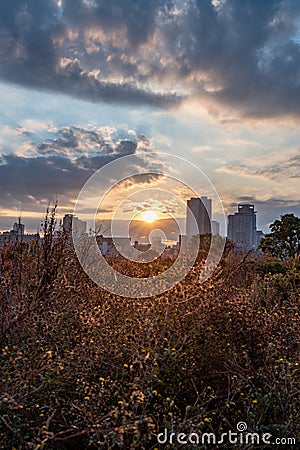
pixel 17 234
pixel 215 228
pixel 198 219
pixel 72 222
pixel 18 229
pixel 259 236
pixel 67 222
pixel 242 228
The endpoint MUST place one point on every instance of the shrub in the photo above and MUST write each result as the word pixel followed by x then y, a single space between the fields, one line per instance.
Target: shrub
pixel 82 368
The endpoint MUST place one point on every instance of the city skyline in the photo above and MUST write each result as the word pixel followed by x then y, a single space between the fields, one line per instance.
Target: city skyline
pixel 242 221
pixel 211 81
pixel 149 223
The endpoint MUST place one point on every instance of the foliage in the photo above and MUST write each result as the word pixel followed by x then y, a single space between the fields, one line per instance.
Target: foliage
pixel 85 369
pixel 284 239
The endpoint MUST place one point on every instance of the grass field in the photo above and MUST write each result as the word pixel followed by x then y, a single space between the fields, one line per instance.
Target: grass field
pixel 82 368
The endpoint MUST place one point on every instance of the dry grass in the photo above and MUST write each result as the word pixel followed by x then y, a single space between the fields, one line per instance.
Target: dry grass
pixel 81 368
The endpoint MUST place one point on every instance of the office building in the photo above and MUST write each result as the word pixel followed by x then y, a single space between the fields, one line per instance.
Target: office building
pixel 215 228
pixel 17 234
pixel 242 228
pixel 198 219
pixel 67 222
pixel 259 236
pixel 72 222
pixel 18 229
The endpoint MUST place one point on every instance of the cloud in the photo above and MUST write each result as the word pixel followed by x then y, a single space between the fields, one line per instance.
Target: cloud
pixel 240 59
pixel 138 17
pixel 248 54
pixel 73 140
pixel 282 166
pixel 32 38
pixel 59 167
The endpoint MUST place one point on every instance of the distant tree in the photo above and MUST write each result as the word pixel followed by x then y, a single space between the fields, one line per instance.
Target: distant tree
pixel 284 239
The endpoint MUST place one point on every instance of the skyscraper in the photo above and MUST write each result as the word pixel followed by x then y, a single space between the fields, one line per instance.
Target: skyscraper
pixel 67 222
pixel 215 228
pixel 200 209
pixel 242 228
pixel 18 229
pixel 70 221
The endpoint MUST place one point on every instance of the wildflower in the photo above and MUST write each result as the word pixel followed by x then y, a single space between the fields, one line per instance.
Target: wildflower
pixel 154 392
pixel 126 366
pixel 207 419
pixel 254 401
pixel 101 379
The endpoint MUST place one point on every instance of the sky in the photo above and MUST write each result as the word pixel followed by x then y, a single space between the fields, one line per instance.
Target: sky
pixel 85 82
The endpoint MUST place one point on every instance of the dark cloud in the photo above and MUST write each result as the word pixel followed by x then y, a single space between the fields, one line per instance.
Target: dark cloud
pixel 41 177
pixel 242 56
pixel 73 80
pixel 138 17
pixel 83 143
pixel 59 168
pixel 29 48
pixel 73 139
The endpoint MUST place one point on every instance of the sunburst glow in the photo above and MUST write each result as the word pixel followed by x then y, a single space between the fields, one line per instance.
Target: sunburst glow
pixel 149 216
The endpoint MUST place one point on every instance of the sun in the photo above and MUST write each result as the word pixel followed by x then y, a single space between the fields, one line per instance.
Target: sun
pixel 149 216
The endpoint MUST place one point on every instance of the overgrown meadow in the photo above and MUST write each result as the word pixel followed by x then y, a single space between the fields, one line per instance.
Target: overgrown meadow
pixel 84 369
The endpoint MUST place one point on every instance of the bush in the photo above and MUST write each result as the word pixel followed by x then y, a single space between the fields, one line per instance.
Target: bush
pixel 82 368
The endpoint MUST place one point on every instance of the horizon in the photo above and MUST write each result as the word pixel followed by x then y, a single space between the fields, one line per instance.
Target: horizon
pixel 120 225
pixel 150 79
pixel 173 123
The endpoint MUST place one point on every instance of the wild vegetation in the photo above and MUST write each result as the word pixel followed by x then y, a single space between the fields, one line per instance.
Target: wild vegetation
pixel 284 239
pixel 84 369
